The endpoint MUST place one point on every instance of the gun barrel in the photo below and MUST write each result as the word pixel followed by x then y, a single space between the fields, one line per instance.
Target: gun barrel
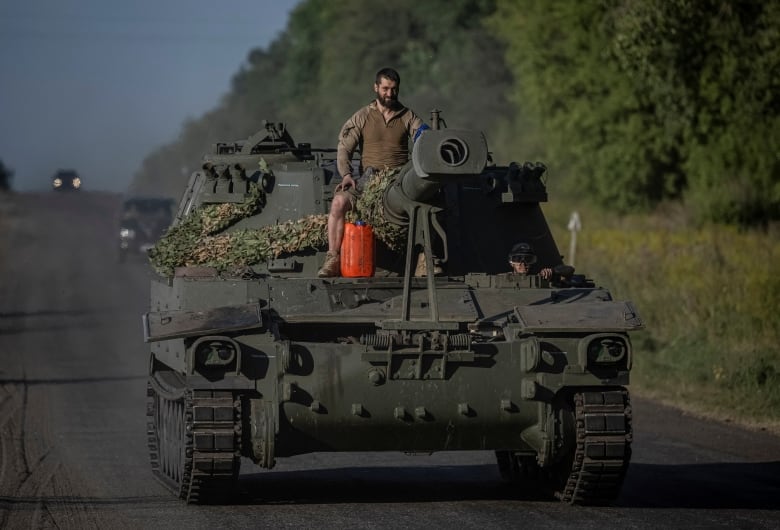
pixel 439 156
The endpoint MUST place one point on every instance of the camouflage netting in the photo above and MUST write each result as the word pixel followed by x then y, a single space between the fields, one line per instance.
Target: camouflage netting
pixel 197 241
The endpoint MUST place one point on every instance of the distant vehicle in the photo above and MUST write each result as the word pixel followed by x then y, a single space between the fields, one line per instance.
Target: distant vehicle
pixel 66 180
pixel 142 221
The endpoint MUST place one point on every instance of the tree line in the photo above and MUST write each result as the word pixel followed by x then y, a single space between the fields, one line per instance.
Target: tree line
pixel 629 103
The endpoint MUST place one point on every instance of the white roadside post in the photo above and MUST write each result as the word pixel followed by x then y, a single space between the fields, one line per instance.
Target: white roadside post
pixel 574 227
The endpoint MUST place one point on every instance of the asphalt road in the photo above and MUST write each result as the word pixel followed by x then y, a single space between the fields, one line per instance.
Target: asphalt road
pixel 73 434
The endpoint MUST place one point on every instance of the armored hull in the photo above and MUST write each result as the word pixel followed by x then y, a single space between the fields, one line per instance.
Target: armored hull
pixel 265 360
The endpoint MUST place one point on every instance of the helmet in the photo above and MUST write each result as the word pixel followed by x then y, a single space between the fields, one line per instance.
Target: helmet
pixel 522 253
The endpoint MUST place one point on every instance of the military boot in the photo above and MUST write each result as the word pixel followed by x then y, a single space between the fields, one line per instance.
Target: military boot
pixel 331 267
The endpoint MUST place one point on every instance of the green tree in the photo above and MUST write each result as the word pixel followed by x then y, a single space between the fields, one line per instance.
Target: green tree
pixel 451 61
pixel 586 118
pixel 711 70
pixel 646 101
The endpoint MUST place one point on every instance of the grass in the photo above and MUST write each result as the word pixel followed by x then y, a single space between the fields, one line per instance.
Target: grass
pixel 709 296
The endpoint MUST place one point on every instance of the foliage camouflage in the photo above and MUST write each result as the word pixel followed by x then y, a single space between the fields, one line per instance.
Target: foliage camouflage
pixel 369 207
pixel 197 240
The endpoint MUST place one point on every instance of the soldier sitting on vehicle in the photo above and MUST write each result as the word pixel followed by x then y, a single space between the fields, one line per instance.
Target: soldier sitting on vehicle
pixel 381 131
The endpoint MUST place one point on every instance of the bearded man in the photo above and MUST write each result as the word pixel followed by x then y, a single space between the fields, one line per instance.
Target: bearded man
pixel 381 131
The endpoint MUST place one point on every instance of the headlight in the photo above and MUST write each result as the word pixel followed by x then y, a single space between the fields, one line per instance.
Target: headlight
pixel 57 182
pixel 76 183
pixel 126 233
pixel 606 350
pixel 216 352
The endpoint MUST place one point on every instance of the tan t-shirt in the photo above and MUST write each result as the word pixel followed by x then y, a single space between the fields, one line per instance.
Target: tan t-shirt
pixel 382 144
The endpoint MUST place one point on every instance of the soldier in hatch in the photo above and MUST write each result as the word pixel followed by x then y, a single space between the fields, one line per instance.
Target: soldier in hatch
pixel 522 258
pixel 381 131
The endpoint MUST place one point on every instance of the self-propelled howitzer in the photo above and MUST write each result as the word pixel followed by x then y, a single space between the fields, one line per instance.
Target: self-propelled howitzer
pixel 266 360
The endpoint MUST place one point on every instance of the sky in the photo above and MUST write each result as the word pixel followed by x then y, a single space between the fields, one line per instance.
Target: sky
pixel 97 85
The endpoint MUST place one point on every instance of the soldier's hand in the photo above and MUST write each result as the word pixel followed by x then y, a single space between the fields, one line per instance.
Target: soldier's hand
pixel 346 183
pixel 564 271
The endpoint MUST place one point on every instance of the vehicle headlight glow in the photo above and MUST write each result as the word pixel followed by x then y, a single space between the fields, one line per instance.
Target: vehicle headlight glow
pixel 77 183
pixel 126 233
pixel 57 182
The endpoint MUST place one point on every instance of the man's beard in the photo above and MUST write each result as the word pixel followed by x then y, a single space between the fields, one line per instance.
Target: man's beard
pixel 390 102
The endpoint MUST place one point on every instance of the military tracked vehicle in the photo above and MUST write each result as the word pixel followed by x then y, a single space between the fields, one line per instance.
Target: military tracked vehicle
pixel 271 361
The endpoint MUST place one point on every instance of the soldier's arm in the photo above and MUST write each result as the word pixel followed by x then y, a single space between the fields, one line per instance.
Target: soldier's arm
pixel 415 125
pixel 349 140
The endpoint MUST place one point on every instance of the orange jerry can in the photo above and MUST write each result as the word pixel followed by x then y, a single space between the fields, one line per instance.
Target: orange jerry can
pixel 357 250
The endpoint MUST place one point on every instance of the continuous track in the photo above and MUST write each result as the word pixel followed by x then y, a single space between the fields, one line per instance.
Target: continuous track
pixel 194 440
pixel 594 472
